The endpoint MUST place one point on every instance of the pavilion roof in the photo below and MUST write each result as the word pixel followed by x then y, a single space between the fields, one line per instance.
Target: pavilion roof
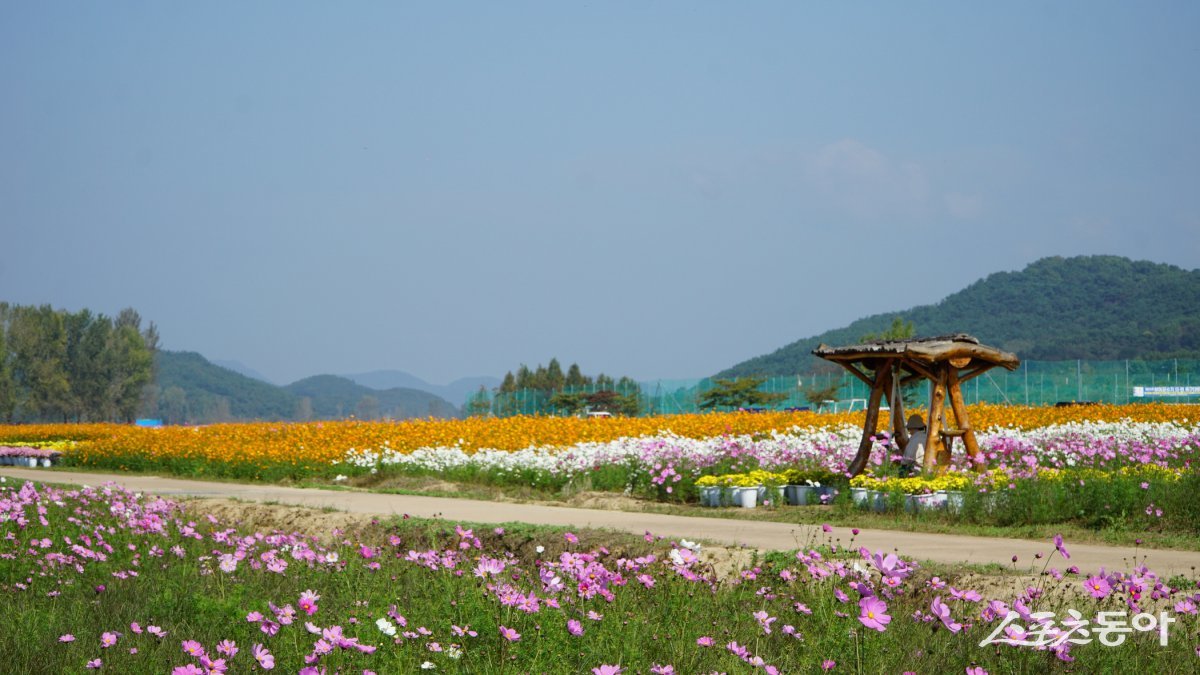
pixel 926 350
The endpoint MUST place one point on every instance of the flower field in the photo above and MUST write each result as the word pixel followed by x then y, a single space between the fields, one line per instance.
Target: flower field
pixel 1098 466
pixel 102 579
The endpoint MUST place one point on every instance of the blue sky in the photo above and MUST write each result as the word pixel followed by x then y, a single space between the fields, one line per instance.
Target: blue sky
pixel 658 189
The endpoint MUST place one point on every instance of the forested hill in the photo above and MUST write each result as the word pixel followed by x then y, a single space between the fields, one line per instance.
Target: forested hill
pixel 1087 307
pixel 193 390
pixel 334 397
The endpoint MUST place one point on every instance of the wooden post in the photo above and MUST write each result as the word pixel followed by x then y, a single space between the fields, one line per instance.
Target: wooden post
pixel 896 403
pixel 882 375
pixel 960 414
pixel 933 444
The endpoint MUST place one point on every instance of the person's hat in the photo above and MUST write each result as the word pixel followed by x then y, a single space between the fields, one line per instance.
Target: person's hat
pixel 915 422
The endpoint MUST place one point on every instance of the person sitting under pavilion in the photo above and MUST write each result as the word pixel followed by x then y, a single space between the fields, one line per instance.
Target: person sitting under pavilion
pixel 914 450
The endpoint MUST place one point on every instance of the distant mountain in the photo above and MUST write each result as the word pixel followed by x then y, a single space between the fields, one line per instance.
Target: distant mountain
pixel 214 393
pixel 192 389
pixel 337 397
pixel 1087 307
pixel 239 367
pixel 455 392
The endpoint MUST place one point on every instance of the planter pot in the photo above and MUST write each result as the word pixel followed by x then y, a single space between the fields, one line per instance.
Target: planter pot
pixel 32 462
pixel 46 462
pixel 798 495
pixel 924 502
pixel 710 495
pixel 746 497
pixel 954 500
pixel 878 501
pixel 859 496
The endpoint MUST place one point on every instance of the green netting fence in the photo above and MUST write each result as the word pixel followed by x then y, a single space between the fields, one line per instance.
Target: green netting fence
pixel 1033 383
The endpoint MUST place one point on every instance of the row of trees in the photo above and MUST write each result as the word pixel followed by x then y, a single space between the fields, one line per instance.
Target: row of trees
pixel 549 390
pixel 74 366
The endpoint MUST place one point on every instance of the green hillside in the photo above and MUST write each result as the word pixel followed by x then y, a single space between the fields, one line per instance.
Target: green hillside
pixel 1087 307
pixel 207 392
pixel 193 390
pixel 336 397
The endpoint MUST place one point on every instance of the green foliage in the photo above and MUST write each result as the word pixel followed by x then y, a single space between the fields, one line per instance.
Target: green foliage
pixel 480 403
pixel 1087 307
pixel 546 390
pixel 737 393
pixel 899 330
pixel 63 366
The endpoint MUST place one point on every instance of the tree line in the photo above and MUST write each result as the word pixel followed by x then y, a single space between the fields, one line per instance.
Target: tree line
pixel 549 390
pixel 60 366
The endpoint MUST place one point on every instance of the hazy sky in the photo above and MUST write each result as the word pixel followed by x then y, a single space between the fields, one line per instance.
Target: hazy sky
pixel 658 189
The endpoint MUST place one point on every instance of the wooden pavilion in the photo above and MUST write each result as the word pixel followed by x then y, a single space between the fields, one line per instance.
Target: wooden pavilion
pixel 946 362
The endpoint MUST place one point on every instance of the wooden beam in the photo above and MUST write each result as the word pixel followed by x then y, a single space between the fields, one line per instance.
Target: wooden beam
pixel 933 444
pixel 853 368
pixel 975 372
pixel 864 446
pixel 960 414
pixel 921 369
pixel 896 405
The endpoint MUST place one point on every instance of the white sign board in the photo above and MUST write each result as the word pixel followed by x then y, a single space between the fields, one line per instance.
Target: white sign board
pixel 1140 392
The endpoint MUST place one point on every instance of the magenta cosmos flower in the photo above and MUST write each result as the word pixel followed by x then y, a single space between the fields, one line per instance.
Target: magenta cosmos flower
pixel 1097 586
pixel 607 670
pixel 873 613
pixel 509 634
pixel 941 611
pixel 1058 544
pixel 308 602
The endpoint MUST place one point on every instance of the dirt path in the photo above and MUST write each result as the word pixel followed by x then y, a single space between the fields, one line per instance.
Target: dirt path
pixel 729 532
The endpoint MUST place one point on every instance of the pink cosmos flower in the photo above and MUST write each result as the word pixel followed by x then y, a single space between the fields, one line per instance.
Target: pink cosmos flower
pixel 264 657
pixel 135 628
pixel 156 631
pixel 828 664
pixel 607 670
pixel 976 670
pixel 1185 606
pixel 765 620
pixel 941 611
pixel 108 639
pixel 66 638
pixel 509 634
pixel 1058 544
pixel 571 538
pixel 228 648
pixel 94 664
pixel 574 627
pixel 1098 586
pixel 189 669
pixel 704 641
pixel 308 602
pixel 658 669
pixel 192 648
pixel 873 613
